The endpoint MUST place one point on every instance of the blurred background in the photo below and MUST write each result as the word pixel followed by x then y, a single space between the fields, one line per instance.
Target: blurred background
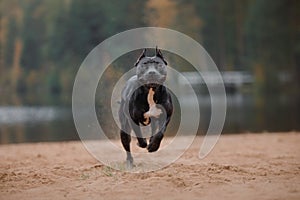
pixel 255 44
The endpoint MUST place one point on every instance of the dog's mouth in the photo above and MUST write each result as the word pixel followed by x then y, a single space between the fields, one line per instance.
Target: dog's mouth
pixel 152 85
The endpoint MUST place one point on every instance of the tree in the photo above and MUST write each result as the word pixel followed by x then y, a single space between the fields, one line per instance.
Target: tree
pixel 269 43
pixel 33 32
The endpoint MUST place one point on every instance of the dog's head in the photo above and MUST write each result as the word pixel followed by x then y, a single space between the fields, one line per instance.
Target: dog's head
pixel 151 71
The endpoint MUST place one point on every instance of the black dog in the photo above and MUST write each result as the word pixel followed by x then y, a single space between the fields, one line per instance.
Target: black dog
pixel 136 108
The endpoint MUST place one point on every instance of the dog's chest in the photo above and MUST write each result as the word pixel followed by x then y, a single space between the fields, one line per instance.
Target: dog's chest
pixel 145 98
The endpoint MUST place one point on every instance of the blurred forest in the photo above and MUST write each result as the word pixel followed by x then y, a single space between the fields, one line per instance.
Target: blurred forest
pixel 43 42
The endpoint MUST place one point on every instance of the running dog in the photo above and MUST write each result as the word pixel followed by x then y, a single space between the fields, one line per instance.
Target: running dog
pixel 145 100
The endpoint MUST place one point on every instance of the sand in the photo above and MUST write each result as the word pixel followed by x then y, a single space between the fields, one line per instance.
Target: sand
pixel 244 166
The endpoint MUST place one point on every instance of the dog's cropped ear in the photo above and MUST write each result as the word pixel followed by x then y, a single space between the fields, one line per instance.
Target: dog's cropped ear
pixel 159 54
pixel 140 58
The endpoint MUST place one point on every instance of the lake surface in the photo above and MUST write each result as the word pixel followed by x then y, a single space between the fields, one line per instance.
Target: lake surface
pixel 244 114
pixel 36 124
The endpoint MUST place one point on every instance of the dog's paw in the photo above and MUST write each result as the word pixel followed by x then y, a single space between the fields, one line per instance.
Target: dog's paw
pixel 142 142
pixel 129 164
pixel 155 143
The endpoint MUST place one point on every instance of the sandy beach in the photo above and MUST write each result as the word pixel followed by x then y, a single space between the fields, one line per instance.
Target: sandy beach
pixel 244 166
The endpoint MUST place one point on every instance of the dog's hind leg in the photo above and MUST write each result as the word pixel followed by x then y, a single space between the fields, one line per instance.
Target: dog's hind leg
pixel 125 136
pixel 125 139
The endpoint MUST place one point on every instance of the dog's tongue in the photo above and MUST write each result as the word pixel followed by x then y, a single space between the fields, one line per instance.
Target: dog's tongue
pixel 150 97
pixel 153 111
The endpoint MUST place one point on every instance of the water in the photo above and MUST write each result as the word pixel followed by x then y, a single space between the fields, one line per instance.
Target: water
pixel 245 113
pixel 36 124
pixel 12 115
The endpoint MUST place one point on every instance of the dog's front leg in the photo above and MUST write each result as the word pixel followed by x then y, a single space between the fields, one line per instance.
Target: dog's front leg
pixel 156 139
pixel 142 142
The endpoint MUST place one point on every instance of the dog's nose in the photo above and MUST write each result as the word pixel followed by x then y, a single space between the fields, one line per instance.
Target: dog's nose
pixel 151 72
